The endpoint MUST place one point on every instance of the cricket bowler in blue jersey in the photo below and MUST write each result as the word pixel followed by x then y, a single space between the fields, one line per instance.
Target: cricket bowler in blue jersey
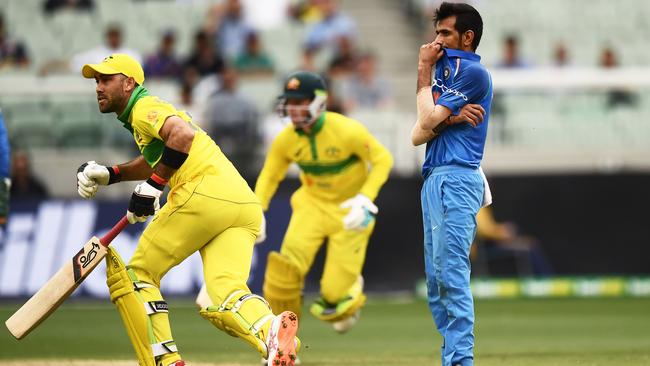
pixel 453 109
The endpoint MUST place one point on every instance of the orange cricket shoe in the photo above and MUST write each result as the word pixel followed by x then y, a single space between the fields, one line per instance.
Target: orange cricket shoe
pixel 281 341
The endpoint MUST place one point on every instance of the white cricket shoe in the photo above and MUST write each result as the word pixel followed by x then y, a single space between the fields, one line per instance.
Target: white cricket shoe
pixel 346 324
pixel 281 340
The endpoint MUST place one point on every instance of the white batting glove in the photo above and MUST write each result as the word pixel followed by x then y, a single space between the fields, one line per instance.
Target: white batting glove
pixel 145 201
pixel 362 212
pixel 91 175
pixel 261 237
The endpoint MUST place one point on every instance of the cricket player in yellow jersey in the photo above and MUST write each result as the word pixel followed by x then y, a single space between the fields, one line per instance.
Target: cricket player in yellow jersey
pixel 209 209
pixel 342 169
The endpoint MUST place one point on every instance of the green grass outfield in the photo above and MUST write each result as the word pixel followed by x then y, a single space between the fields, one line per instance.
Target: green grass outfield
pixel 509 332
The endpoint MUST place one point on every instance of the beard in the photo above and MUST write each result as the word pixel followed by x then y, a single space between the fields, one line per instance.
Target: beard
pixel 107 105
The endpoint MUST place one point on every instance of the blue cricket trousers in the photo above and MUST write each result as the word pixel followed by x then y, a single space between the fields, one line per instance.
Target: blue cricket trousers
pixel 451 198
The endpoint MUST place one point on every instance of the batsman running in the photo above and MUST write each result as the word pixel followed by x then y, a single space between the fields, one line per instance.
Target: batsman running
pixel 342 169
pixel 209 209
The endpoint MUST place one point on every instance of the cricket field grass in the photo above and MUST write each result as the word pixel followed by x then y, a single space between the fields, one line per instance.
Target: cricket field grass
pixel 549 332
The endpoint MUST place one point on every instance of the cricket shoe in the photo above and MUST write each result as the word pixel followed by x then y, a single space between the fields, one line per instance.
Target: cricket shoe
pixel 264 362
pixel 281 340
pixel 346 324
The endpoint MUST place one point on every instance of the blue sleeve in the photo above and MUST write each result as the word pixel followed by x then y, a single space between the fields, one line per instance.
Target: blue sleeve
pixel 470 85
pixel 4 149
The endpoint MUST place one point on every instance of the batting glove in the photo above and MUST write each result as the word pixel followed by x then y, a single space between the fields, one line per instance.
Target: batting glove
pixel 91 175
pixel 362 212
pixel 261 237
pixel 145 201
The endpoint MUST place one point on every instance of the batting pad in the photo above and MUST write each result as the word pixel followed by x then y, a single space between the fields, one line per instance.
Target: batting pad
pixel 143 311
pixel 243 315
pixel 283 284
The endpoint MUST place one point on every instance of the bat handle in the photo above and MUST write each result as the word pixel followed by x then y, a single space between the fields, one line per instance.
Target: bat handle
pixel 108 238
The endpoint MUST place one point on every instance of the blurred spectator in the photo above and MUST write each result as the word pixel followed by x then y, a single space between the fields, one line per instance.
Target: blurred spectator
pixel 232 119
pixel 186 103
pixel 254 59
pixel 366 89
pixel 207 85
pixel 12 53
pixel 113 45
pixel 230 31
pixel 305 11
pixel 327 33
pixel 344 62
pixel 204 59
pixel 5 166
pixel 52 6
pixel 616 97
pixel 561 56
pixel 511 58
pixel 24 185
pixel 163 63
pixel 500 239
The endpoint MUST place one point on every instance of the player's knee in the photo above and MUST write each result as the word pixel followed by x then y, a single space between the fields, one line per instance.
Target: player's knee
pixel 144 275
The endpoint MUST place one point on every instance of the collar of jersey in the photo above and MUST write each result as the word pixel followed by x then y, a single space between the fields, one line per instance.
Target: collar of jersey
pixel 317 126
pixel 138 93
pixel 462 54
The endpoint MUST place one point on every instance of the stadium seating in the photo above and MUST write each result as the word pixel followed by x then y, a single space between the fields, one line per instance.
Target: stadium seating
pixel 59 111
pixel 579 25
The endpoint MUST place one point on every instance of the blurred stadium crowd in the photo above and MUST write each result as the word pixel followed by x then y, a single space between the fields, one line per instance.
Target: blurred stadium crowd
pixel 221 60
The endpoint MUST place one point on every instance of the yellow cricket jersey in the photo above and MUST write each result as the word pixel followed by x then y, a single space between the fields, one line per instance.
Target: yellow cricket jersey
pixel 334 160
pixel 145 115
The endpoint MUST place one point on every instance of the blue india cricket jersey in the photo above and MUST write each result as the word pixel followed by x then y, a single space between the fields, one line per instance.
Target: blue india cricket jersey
pixel 459 79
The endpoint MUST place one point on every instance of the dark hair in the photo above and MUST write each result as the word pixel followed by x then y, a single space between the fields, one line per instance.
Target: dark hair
pixel 467 18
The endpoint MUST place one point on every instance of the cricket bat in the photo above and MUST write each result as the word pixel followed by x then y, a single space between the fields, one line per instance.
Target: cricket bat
pixel 62 284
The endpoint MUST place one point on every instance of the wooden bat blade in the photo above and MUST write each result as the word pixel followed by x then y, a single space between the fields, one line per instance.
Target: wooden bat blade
pixel 56 289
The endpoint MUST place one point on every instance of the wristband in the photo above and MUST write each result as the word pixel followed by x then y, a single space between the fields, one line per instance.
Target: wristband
pixel 157 182
pixel 114 175
pixel 173 158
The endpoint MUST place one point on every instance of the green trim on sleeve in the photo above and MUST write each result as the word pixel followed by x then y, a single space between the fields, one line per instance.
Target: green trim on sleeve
pixel 153 152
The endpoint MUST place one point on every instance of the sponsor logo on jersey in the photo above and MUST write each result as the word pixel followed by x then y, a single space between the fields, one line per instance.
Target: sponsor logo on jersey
pixel 332 151
pixel 152 116
pixel 437 83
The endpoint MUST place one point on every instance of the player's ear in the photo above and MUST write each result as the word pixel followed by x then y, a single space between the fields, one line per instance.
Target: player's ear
pixel 468 38
pixel 130 84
